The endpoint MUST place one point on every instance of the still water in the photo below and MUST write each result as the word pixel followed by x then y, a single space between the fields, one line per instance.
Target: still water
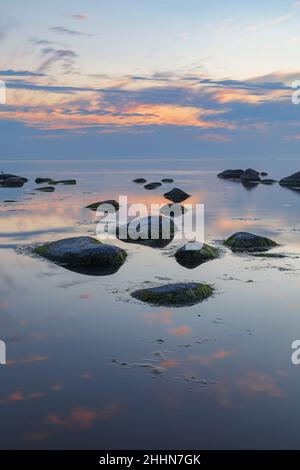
pixel 82 353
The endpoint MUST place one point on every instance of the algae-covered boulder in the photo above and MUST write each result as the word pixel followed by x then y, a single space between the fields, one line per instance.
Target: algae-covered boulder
pixel 85 255
pixel 154 231
pixel 244 241
pixel 175 295
pixel 292 180
pixel 194 254
pixel 176 195
pixel 231 174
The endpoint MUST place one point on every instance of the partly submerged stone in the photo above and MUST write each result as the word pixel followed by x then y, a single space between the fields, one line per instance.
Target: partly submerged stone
pixel 250 176
pixel 292 180
pixel 231 174
pixel 45 189
pixel 173 210
pixel 167 180
pixel 152 185
pixel 44 180
pixel 85 255
pixel 67 182
pixel 175 295
pixel 106 206
pixel 11 181
pixel 244 241
pixel 140 181
pixel 176 195
pixel 193 254
pixel 153 231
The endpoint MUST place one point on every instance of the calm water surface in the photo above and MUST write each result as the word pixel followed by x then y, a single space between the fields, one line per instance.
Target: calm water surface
pixel 82 354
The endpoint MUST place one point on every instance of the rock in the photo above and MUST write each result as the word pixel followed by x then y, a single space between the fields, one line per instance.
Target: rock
pixel 194 254
pixel 173 210
pixel 44 180
pixel 263 173
pixel 106 206
pixel 175 295
pixel 250 176
pixel 155 231
pixel 84 255
pixel 45 189
pixel 152 185
pixel 140 181
pixel 244 241
pixel 11 181
pixel 292 180
pixel 176 195
pixel 64 182
pixel 268 181
pixel 167 180
pixel 231 174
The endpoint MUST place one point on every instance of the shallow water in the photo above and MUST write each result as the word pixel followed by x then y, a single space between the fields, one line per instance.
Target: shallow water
pixel 90 367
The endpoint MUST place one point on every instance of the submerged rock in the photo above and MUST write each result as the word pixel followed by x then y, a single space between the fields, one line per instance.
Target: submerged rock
pixel 175 295
pixel 292 180
pixel 231 174
pixel 85 255
pixel 45 189
pixel 250 176
pixel 176 195
pixel 155 231
pixel 194 254
pixel 167 180
pixel 268 181
pixel 244 241
pixel 153 185
pixel 106 206
pixel 11 181
pixel 140 181
pixel 173 210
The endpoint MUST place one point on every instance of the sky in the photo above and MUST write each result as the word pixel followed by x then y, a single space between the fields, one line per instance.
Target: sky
pixel 149 78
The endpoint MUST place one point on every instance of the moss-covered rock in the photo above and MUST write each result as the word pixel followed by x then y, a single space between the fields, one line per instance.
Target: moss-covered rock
pixel 86 255
pixel 244 241
pixel 175 295
pixel 194 254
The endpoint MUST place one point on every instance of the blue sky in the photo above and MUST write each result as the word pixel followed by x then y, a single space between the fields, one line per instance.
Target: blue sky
pixel 92 79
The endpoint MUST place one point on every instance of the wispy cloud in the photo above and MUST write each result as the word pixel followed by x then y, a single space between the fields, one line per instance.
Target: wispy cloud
pixel 70 32
pixel 79 17
pixel 64 57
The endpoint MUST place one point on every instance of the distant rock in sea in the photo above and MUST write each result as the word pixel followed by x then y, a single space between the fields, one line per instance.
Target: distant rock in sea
pixel 140 181
pixel 11 181
pixel 292 180
pixel 176 195
pixel 45 189
pixel 231 174
pixel 153 185
pixel 106 206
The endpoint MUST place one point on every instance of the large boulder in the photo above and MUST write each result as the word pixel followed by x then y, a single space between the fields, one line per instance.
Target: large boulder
pixel 250 176
pixel 155 231
pixel 193 254
pixel 11 181
pixel 85 255
pixel 176 195
pixel 292 180
pixel 245 241
pixel 231 174
pixel 175 295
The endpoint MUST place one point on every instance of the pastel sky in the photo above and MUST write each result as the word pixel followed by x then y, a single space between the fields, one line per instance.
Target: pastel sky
pixel 149 78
